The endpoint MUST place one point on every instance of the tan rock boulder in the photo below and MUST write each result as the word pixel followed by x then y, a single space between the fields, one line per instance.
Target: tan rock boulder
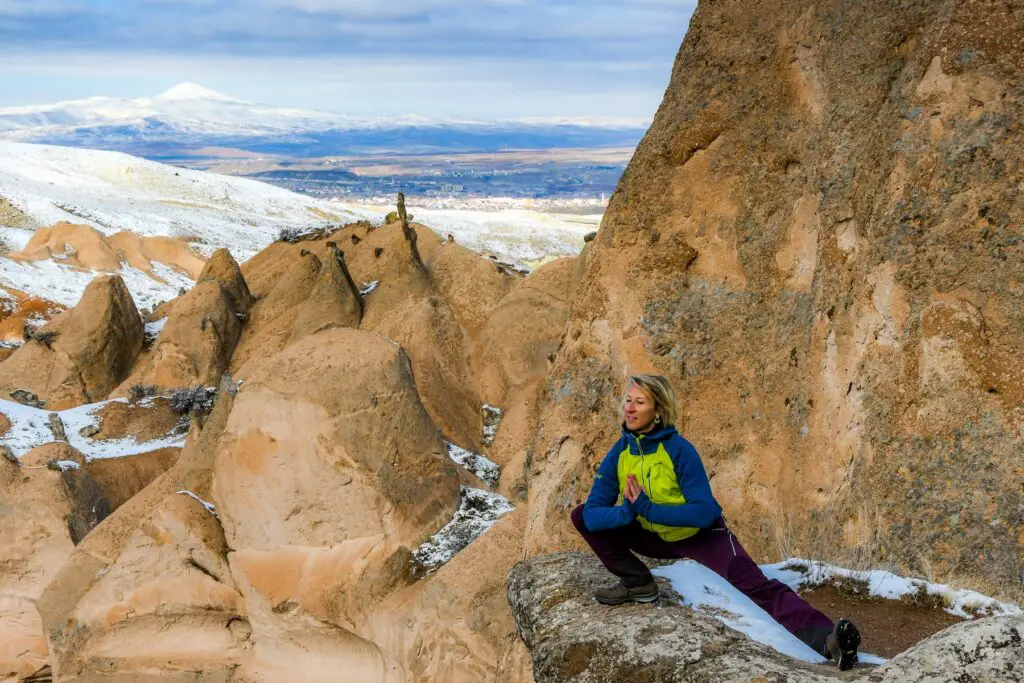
pixel 272 320
pixel 35 543
pixel 163 540
pixel 308 293
pixel 85 247
pixel 91 349
pixel 319 489
pixel 333 301
pixel 202 330
pixel 524 330
pixel 82 246
pixel 223 269
pixel 376 463
pixel 472 285
pixel 167 606
pixel 141 252
pixel 455 625
pixel 407 307
pixel 427 329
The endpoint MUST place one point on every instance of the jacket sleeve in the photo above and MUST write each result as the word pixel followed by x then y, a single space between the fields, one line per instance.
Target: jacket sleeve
pixel 700 509
pixel 600 512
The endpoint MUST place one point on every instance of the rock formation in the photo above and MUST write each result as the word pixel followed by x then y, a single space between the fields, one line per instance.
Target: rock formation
pixel 818 241
pixel 90 349
pixel 85 247
pixel 574 638
pixel 201 331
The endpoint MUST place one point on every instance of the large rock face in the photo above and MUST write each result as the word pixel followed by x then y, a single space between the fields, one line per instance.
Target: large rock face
pixel 81 354
pixel 819 241
pixel 574 638
pixel 328 472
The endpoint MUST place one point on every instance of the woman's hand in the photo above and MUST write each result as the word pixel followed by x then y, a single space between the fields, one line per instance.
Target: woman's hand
pixel 633 489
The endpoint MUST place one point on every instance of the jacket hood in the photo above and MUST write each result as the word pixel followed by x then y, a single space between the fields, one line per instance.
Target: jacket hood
pixel 646 443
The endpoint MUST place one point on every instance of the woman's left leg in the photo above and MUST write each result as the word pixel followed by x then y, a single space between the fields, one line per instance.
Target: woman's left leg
pixel 718 550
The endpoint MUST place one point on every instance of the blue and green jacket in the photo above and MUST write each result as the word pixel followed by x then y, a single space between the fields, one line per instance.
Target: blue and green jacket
pixel 677 501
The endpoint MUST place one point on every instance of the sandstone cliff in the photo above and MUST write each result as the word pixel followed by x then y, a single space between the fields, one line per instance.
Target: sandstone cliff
pixel 819 241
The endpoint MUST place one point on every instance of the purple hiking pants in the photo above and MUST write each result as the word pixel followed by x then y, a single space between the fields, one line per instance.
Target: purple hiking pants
pixel 717 549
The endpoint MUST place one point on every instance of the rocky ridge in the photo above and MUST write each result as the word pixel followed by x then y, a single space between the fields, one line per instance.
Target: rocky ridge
pixel 574 638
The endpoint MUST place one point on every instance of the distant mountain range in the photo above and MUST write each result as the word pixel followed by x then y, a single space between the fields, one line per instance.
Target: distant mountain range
pixel 189 118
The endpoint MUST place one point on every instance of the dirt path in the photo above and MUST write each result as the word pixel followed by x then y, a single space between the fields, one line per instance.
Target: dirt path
pixel 887 627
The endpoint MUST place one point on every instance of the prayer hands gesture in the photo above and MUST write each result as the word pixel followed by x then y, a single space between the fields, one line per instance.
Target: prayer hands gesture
pixel 633 489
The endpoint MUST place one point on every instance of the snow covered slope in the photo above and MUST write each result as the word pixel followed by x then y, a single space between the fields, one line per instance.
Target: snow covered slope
pixel 42 184
pixel 112 192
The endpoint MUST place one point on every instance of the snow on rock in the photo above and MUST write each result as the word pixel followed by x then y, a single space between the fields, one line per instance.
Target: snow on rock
pixel 487 470
pixel 368 287
pixel 492 418
pixel 210 507
pixel 801 574
pixel 30 428
pixel 64 284
pixel 477 513
pixel 152 329
pixel 706 591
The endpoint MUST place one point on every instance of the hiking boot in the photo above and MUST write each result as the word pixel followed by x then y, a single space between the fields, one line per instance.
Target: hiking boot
pixel 841 645
pixel 618 594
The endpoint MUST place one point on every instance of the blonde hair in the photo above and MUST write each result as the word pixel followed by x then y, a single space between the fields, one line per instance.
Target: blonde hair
pixel 660 389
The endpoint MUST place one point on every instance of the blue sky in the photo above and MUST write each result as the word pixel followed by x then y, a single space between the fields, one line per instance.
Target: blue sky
pixel 481 59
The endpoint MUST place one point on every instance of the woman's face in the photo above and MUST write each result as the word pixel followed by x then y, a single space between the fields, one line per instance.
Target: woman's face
pixel 640 410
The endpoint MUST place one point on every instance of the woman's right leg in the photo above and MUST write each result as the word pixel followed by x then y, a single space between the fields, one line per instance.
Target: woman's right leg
pixel 615 548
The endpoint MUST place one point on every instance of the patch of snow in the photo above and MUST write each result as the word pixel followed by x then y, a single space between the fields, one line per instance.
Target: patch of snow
pixel 30 428
pixel 65 465
pixel 368 287
pixel 35 321
pixel 492 418
pixel 706 591
pixel 487 470
pixel 152 329
pixel 798 574
pixel 477 513
pixel 209 506
pixel 64 284
pixel 15 238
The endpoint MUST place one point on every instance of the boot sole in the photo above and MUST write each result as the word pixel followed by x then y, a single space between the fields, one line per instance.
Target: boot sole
pixel 848 640
pixel 647 597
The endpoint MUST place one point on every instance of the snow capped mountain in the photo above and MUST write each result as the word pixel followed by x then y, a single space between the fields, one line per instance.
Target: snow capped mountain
pixel 193 91
pixel 191 116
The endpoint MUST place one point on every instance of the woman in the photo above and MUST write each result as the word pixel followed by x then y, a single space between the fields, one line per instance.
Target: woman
pixel 669 512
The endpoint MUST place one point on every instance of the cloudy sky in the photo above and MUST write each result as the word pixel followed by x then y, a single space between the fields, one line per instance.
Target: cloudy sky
pixel 480 59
